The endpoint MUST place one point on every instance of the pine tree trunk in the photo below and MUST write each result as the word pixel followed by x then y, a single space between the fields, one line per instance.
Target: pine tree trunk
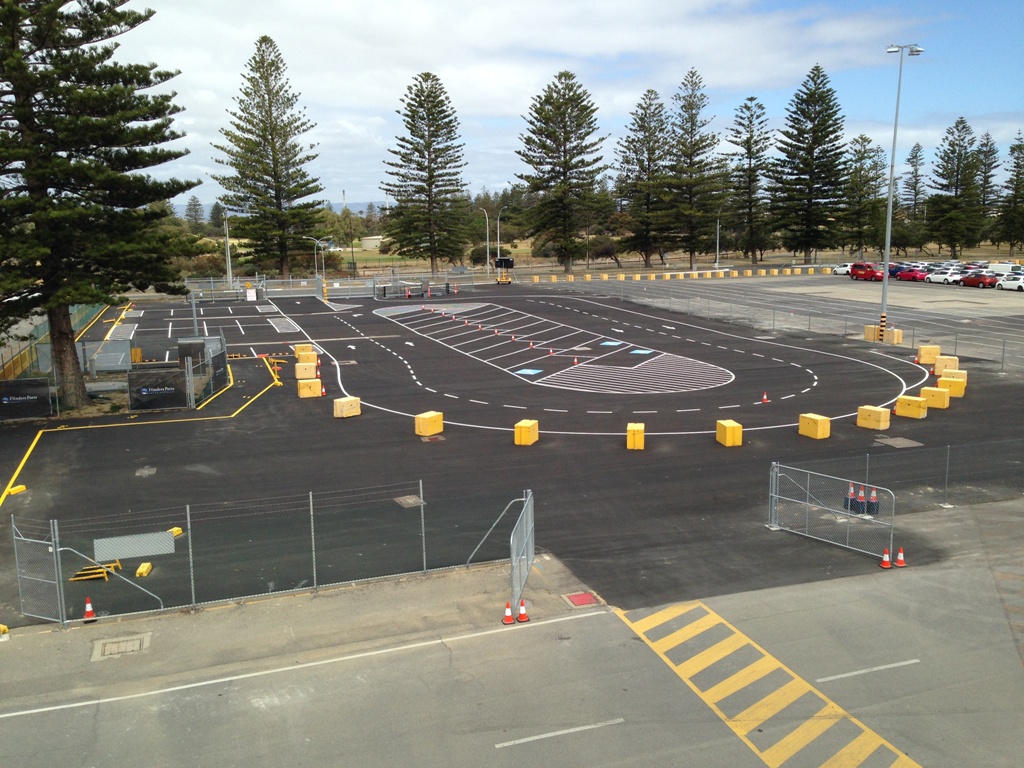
pixel 71 382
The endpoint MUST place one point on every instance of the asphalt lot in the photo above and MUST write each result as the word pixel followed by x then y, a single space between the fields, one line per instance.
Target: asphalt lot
pixel 681 520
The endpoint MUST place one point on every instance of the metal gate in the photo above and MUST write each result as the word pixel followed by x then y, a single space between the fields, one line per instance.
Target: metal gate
pixel 37 563
pixel 522 548
pixel 841 511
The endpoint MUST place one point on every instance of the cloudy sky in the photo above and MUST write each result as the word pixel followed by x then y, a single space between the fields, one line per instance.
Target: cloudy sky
pixel 351 62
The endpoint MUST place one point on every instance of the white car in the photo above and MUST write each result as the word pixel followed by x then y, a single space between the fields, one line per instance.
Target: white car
pixel 842 269
pixel 944 276
pixel 1014 282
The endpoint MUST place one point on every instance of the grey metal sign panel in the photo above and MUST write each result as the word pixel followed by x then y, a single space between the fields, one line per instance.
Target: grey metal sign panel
pixel 138 545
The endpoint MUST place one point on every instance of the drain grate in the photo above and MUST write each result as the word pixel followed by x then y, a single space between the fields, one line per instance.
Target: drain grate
pixel 120 646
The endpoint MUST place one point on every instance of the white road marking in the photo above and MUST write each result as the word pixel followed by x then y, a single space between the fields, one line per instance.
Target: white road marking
pixel 868 670
pixel 480 402
pixel 563 732
pixel 518 407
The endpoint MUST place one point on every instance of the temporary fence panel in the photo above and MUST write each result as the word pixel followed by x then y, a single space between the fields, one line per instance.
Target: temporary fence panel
pixel 37 564
pixel 522 548
pixel 842 511
pixel 25 399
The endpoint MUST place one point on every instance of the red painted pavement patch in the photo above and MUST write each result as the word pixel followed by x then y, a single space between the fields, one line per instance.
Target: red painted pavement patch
pixel 579 599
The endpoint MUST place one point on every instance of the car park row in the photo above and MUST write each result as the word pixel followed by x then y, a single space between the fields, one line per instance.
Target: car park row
pixel 971 275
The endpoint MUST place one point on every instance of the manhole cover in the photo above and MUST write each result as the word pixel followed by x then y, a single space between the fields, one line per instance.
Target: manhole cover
pixel 145 471
pixel 899 442
pixel 407 501
pixel 579 599
pixel 119 646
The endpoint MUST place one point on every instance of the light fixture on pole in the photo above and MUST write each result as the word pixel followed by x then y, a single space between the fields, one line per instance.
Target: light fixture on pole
pixel 487 226
pixel 912 50
pixel 318 244
pixel 498 254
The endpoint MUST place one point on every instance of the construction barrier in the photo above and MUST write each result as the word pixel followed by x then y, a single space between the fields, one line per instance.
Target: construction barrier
pixel 815 426
pixel 429 423
pixel 956 387
pixel 310 388
pixel 527 432
pixel 344 407
pixel 729 433
pixel 945 363
pixel 911 407
pixel 303 348
pixel 144 569
pixel 634 437
pixel 935 397
pixel 305 371
pixel 873 417
pixel 926 353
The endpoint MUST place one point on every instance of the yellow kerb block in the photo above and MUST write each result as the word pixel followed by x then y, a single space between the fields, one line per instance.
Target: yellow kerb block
pixel 773 272
pixel 587 277
pixel 810 271
pixel 814 426
pixel 553 278
pixel 729 433
pixel 873 417
pixel 638 277
pixel 347 406
pixel 870 333
pixel 926 353
pixel 306 357
pixel 956 387
pixel 300 348
pixel 734 273
pixel 175 531
pixel 570 278
pixel 634 437
pixel 748 273
pixel 536 278
pixel 762 272
pixel 911 407
pixel 305 371
pixel 892 336
pixel 527 432
pixel 310 388
pixel 945 363
pixel 620 276
pixel 936 397
pixel 144 569
pixel 429 423
pixel 666 276
pixel 604 275
pixel 954 374
pixel 787 271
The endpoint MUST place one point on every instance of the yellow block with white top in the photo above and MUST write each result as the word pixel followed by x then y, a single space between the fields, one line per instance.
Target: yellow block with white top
pixel 429 423
pixel 937 397
pixel 911 407
pixel 634 437
pixel 815 426
pixel 729 433
pixel 873 417
pixel 945 363
pixel 347 406
pixel 527 432
pixel 956 387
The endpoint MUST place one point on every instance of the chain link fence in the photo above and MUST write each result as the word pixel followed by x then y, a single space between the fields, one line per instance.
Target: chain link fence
pixel 187 556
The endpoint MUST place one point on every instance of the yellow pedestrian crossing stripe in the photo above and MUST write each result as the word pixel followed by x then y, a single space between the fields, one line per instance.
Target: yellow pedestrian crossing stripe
pixel 774 712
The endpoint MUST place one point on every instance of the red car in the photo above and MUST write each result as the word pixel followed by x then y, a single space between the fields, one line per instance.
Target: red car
pixel 979 280
pixel 865 271
pixel 914 274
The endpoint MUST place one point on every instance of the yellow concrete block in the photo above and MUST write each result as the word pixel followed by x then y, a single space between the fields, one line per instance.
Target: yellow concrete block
pixel 762 272
pixel 553 279
pixel 947 374
pixel 604 275
pixel 587 277
pixel 873 417
pixel 305 370
pixel 733 273
pixel 926 353
pixel 814 426
pixel 748 273
pixel 911 407
pixel 620 276
pixel 3 631
pixel 527 432
pixel 936 397
pixel 570 278
pixel 306 357
pixel 310 388
pixel 787 271
pixel 666 276
pixel 810 271
pixel 709 274
pixel 429 423
pixel 729 433
pixel 719 274
pixel 945 363
pixel 634 437
pixel 300 348
pixel 773 272
pixel 347 406
pixel 638 277
pixel 956 387
pixel 175 531
pixel 892 336
pixel 870 333
pixel 536 278
pixel 144 569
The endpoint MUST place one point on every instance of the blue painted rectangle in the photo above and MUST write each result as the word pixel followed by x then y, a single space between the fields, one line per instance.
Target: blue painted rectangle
pixel 528 372
pixel 641 352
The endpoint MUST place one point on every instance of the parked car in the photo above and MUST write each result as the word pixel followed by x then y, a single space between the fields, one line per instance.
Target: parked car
pixel 1014 282
pixel 896 267
pixel 978 280
pixel 863 270
pixel 915 274
pixel 842 269
pixel 944 276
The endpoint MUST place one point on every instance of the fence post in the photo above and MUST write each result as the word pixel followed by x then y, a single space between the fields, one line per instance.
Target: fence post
pixel 945 482
pixel 312 539
pixel 423 528
pixel 55 538
pixel 191 561
pixel 867 468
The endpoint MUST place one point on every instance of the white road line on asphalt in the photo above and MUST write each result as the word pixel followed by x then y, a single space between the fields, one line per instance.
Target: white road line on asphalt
pixel 291 667
pixel 239 322
pixel 453 397
pixel 868 670
pixel 480 402
pixel 519 407
pixel 563 732
pixel 556 410
pixel 600 411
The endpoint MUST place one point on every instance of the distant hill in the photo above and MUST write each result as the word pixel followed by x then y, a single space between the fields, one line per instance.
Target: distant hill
pixel 179 208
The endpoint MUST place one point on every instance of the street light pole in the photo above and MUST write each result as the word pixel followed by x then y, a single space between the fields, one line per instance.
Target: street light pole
pixel 487 226
pixel 912 50
pixel 318 243
pixel 498 254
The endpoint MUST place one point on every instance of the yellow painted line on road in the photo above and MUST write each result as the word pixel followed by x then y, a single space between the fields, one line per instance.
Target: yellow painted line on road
pixel 231 383
pixel 24 460
pixel 666 632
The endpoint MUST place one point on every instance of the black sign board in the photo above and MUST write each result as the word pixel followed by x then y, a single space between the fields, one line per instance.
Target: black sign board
pixel 25 399
pixel 220 371
pixel 153 390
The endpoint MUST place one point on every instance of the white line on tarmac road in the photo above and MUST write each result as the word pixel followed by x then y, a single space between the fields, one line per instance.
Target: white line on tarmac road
pixel 563 732
pixel 868 670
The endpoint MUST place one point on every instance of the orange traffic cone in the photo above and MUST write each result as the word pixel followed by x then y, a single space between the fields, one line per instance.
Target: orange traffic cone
pixel 861 501
pixel 916 361
pixel 764 398
pixel 850 497
pixel 522 617
pixel 456 289
pixel 508 614
pixel 323 390
pixel 318 361
pixel 408 293
pixel 495 331
pixel 318 373
pixel 513 338
pixel 575 361
pixel 931 371
pixel 531 345
pixel 551 351
pixel 873 502
pixel 90 614
pixel 900 562
pixel 885 559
